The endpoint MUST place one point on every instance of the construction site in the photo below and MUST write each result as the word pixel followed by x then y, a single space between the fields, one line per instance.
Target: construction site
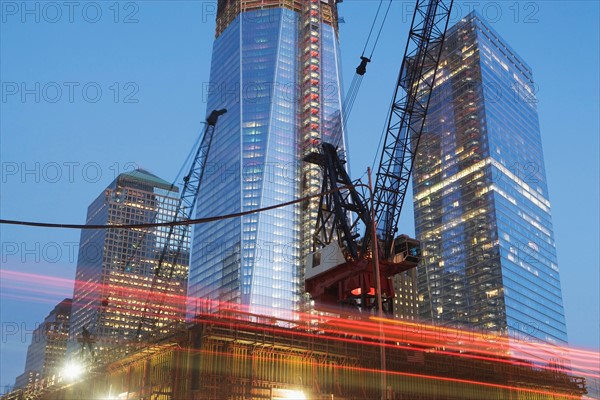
pixel 342 344
pixel 229 356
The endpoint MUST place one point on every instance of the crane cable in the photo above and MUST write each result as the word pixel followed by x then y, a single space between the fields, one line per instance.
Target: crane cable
pixel 387 11
pixel 373 26
pixel 354 88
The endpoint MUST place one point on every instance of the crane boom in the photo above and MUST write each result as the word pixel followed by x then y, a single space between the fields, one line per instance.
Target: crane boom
pixel 175 239
pixel 340 267
pixel 407 115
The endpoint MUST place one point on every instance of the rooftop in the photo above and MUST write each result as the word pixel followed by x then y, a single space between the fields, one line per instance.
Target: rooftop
pixel 143 176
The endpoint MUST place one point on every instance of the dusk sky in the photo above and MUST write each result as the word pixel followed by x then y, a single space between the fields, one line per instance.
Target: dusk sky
pixel 94 89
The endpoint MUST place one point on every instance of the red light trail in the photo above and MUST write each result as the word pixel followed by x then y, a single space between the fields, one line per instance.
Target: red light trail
pixel 339 324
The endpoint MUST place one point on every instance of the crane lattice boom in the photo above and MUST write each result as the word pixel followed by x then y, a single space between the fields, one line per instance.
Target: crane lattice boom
pixel 407 115
pixel 340 266
pixel 175 239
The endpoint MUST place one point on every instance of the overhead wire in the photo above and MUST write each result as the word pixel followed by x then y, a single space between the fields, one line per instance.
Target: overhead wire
pixel 174 261
pixel 131 257
pixel 346 107
pixel 171 188
pixel 195 221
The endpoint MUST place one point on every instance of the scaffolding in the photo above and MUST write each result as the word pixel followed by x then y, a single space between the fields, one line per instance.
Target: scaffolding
pixel 228 10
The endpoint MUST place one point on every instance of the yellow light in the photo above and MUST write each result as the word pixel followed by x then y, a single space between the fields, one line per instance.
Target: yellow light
pixel 72 370
pixel 281 394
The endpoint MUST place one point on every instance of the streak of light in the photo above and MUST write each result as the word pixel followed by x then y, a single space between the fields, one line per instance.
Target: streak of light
pixel 409 335
pixel 387 372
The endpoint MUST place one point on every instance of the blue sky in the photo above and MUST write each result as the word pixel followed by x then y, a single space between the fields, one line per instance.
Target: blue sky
pixel 96 89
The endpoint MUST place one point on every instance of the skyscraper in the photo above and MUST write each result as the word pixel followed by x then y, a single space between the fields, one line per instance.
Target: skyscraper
pixel 115 293
pixel 481 198
pixel 48 348
pixel 275 68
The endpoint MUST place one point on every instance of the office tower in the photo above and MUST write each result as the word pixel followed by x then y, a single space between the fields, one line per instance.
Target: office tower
pixel 406 305
pixel 115 293
pixel 47 351
pixel 481 198
pixel 275 68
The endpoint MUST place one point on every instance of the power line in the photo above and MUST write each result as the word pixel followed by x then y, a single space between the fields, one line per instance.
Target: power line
pixel 172 223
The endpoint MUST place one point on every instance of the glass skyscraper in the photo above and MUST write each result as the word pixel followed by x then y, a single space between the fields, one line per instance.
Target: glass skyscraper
pixel 275 68
pixel 48 348
pixel 481 198
pixel 115 292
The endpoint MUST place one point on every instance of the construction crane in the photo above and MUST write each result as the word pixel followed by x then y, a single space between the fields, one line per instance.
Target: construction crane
pixel 340 270
pixel 175 238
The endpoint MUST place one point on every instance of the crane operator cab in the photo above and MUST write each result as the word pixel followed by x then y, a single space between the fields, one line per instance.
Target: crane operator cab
pixel 406 251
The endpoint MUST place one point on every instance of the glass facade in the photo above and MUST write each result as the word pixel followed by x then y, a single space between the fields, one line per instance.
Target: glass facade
pixel 481 200
pixel 46 353
pixel 255 160
pixel 116 267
